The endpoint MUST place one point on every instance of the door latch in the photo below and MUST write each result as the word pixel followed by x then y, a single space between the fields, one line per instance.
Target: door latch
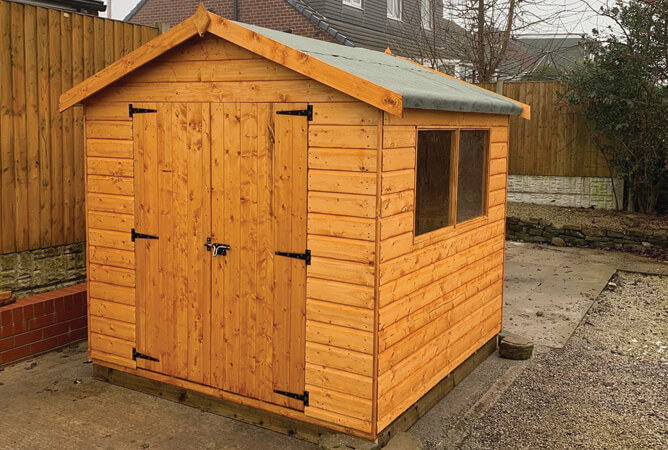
pixel 218 249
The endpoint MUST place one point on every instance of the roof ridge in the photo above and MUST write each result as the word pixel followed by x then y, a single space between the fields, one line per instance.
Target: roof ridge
pixel 319 20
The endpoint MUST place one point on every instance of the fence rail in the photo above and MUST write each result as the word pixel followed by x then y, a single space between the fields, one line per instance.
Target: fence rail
pixel 556 141
pixel 44 52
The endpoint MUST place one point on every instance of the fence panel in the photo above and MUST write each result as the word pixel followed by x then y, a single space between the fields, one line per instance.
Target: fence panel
pixel 44 52
pixel 556 141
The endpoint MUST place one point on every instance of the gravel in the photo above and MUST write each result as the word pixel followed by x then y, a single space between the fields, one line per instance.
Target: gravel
pixel 587 217
pixel 605 389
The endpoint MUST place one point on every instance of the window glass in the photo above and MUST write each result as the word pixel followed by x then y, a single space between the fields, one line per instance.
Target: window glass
pixel 432 190
pixel 394 9
pixel 471 170
pixel 355 3
pixel 427 14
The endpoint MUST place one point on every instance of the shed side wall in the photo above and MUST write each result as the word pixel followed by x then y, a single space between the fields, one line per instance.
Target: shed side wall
pixel 439 300
pixel 343 146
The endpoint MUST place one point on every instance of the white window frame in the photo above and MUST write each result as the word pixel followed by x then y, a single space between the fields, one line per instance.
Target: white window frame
pixel 395 15
pixel 427 14
pixel 354 3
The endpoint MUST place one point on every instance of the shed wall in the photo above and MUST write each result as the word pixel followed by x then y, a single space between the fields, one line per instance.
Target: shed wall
pixel 342 201
pixel 439 300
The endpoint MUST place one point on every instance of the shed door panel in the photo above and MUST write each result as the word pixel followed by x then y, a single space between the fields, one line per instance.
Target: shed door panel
pixel 259 207
pixel 172 201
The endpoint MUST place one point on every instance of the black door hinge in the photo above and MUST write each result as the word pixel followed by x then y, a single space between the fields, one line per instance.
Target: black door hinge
pixel 136 354
pixel 306 256
pixel 134 235
pixel 134 111
pixel 301 397
pixel 308 112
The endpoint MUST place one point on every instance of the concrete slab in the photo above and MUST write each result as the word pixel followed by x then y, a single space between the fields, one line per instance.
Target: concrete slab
pixel 58 405
pixel 548 289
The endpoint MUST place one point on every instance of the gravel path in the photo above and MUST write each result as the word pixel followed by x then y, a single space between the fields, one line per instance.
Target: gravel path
pixel 605 389
pixel 586 217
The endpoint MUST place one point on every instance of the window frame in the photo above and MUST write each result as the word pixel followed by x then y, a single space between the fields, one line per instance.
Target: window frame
pixel 429 23
pixel 401 11
pixel 354 4
pixel 453 227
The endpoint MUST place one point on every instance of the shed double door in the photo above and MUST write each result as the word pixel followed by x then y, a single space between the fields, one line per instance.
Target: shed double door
pixel 233 174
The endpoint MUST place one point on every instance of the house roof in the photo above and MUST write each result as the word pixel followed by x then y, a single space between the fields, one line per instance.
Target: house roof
pixel 80 5
pixel 319 20
pixel 558 51
pixel 390 83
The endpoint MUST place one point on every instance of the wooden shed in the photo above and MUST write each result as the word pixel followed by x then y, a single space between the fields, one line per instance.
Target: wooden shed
pixel 291 225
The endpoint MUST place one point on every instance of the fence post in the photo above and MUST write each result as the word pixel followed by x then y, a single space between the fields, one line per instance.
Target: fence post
pixel 499 87
pixel 161 26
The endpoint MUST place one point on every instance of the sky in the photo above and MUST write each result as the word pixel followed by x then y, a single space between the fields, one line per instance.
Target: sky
pixel 577 16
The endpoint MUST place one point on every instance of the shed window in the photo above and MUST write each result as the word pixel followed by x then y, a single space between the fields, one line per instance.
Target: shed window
pixel 471 170
pixel 394 9
pixel 355 3
pixel 433 190
pixel 451 178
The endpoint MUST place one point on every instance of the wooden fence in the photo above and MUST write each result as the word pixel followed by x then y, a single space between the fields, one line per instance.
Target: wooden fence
pixel 555 141
pixel 43 52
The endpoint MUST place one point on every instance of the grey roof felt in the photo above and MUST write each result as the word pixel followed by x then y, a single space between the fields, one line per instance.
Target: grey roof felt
pixel 420 88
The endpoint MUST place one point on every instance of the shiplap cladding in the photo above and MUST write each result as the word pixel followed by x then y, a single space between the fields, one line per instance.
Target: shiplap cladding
pixel 342 164
pixel 387 316
pixel 439 299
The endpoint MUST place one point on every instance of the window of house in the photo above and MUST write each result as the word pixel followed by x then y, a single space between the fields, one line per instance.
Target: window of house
pixel 427 14
pixel 451 178
pixel 394 9
pixel 354 3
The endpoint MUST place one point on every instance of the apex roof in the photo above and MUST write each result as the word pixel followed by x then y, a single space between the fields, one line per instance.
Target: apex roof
pixel 380 79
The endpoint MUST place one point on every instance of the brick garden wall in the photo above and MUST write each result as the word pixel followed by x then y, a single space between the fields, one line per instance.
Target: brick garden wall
pixel 42 322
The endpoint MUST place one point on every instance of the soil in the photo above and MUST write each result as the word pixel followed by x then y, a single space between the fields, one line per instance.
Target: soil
pixel 605 389
pixel 587 217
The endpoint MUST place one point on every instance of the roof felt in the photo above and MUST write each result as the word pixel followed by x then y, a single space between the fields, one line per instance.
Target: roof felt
pixel 421 88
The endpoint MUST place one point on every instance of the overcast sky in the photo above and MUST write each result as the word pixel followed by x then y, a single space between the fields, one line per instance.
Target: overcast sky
pixel 576 17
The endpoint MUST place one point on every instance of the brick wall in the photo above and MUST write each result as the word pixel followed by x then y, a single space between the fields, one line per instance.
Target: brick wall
pixel 274 14
pixel 42 322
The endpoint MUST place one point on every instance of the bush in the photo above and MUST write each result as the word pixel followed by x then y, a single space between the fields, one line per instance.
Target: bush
pixel 622 89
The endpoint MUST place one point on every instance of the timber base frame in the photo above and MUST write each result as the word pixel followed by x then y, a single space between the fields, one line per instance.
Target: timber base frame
pixel 286 425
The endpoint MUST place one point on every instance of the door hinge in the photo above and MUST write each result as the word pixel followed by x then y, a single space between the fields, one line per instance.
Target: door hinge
pixel 133 110
pixel 308 112
pixel 134 235
pixel 306 256
pixel 301 397
pixel 136 354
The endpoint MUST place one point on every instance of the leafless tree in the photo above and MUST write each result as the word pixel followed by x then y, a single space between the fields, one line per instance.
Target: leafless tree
pixel 479 33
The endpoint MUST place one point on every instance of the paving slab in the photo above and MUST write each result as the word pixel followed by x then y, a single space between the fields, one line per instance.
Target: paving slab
pixel 58 405
pixel 547 290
